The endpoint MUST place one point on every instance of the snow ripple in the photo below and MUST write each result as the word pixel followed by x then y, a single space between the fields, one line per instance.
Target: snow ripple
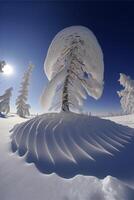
pixel 70 144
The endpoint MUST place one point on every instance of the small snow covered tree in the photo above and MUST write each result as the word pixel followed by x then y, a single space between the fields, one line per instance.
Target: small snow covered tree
pixel 2 64
pixel 127 94
pixel 74 66
pixel 5 101
pixel 22 107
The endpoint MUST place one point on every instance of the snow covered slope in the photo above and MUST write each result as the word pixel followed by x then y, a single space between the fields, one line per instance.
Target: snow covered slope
pixel 126 120
pixel 70 144
pixel 19 180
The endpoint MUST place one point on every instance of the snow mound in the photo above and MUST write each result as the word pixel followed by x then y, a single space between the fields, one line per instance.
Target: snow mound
pixel 69 144
pixel 92 188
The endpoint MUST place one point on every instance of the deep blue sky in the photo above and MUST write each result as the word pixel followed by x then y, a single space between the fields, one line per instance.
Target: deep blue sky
pixel 27 29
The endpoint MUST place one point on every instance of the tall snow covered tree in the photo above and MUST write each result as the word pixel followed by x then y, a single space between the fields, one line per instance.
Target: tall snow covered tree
pixel 5 101
pixel 127 94
pixel 22 106
pixel 74 66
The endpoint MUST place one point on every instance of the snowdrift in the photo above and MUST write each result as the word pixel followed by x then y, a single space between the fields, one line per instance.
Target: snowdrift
pixel 69 144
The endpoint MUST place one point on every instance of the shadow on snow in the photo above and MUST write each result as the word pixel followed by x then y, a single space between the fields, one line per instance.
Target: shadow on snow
pixel 69 144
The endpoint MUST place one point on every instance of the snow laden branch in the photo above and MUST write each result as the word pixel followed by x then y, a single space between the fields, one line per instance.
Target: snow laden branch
pixel 127 94
pixel 5 101
pixel 22 106
pixel 74 67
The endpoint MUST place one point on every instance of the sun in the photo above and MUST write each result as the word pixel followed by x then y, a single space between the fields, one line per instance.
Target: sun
pixel 8 70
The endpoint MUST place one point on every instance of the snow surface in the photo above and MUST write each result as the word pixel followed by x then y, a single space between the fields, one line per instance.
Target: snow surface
pixel 19 180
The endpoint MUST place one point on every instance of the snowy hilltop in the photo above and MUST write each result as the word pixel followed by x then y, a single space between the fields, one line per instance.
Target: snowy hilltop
pixel 19 180
pixel 70 144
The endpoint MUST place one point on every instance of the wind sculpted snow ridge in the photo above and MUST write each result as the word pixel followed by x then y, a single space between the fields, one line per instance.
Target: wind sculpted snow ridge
pixel 69 144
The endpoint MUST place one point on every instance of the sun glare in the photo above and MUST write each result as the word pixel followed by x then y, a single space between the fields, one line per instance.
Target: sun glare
pixel 8 70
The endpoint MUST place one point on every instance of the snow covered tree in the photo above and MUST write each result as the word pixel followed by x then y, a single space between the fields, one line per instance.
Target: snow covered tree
pixel 74 66
pixel 2 64
pixel 127 94
pixel 5 101
pixel 22 107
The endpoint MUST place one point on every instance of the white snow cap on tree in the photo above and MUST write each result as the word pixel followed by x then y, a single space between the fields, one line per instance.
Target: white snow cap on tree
pixel 127 94
pixel 5 101
pixel 74 66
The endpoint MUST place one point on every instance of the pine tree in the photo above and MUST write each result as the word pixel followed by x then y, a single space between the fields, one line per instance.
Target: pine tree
pixel 5 101
pixel 2 64
pixel 22 106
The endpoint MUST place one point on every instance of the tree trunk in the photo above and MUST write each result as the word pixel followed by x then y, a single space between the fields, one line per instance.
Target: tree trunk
pixel 65 99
